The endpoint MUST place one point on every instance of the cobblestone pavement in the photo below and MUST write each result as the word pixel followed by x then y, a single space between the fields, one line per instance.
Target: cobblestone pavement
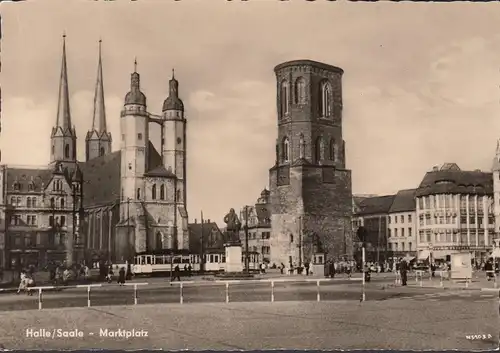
pixel 395 324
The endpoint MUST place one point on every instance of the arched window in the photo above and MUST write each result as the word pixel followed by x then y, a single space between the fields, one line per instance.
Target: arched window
pixel 162 192
pixel 291 238
pixel 286 150
pixel 300 91
pixel 62 203
pixel 284 98
pixel 178 195
pixel 28 202
pixel 153 192
pixel 325 106
pixel 320 149
pixel 159 241
pixel 66 151
pixel 101 151
pixel 13 201
pixel 138 193
pixel 53 149
pixel 332 150
pixel 19 201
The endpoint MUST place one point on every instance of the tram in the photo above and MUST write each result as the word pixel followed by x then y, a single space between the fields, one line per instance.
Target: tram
pixel 150 265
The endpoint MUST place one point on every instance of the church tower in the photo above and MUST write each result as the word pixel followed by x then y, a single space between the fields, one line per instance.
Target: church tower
pixel 310 187
pixel 496 190
pixel 174 139
pixel 98 140
pixel 63 136
pixel 134 155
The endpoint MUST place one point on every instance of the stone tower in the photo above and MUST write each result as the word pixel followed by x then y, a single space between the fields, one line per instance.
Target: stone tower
pixel 174 139
pixel 98 140
pixel 496 190
pixel 310 187
pixel 63 136
pixel 134 157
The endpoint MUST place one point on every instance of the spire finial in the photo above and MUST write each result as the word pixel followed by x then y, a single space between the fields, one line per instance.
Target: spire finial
pixel 135 64
pixel 173 73
pixel 64 35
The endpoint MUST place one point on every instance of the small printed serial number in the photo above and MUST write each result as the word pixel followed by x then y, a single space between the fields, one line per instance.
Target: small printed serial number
pixel 478 337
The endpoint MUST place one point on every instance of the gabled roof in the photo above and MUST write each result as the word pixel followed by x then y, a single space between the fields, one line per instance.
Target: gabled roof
pixel 375 205
pixel 263 214
pixel 24 176
pixel 212 235
pixel 160 171
pixel 453 181
pixel 404 201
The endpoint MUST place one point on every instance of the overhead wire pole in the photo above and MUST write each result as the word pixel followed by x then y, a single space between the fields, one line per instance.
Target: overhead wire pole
pixel 247 265
pixel 202 260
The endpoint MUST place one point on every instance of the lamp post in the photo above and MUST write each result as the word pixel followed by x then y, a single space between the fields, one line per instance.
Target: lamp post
pixel 247 269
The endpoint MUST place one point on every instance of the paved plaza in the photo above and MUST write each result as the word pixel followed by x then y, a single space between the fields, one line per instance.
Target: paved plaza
pixel 390 324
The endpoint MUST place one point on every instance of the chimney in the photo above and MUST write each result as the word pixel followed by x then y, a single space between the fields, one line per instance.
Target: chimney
pixel 435 168
pixel 208 220
pixel 195 221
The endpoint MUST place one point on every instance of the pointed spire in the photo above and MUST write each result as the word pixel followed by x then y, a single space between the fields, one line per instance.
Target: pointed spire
pixel 99 121
pixel 174 86
pixel 135 79
pixel 63 110
pixel 498 146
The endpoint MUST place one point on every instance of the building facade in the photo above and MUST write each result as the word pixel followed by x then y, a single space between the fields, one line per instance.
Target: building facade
pixel 259 228
pixel 310 187
pixel 401 222
pixel 455 212
pixel 115 204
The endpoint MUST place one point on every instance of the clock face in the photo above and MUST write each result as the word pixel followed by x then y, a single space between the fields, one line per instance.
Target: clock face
pixel 179 140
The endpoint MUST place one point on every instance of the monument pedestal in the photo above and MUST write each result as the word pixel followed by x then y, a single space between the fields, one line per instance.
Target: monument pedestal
pixel 233 257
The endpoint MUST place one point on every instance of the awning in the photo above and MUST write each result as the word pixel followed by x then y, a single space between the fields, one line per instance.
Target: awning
pixel 495 253
pixel 424 255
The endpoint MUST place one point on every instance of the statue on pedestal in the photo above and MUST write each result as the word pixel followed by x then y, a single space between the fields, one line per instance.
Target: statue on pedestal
pixel 233 227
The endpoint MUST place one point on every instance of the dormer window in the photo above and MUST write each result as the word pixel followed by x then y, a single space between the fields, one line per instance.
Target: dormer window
pixel 31 186
pixel 17 186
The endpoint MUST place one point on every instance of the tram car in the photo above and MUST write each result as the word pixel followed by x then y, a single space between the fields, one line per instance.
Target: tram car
pixel 158 265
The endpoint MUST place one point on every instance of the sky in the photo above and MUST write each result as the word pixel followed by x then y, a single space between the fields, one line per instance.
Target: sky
pixel 421 82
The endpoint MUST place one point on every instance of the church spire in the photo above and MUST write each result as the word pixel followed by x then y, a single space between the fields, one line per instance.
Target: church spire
pixel 63 111
pixel 99 121
pixel 173 102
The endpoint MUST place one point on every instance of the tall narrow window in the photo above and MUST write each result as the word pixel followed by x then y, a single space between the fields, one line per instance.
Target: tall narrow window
pixel 284 98
pixel 162 192
pixel 28 202
pixel 300 91
pixel 332 150
pixel 178 195
pixel 153 192
pixel 325 99
pixel 33 202
pixel 286 150
pixel 66 151
pixel 138 193
pixel 320 149
pixel 62 203
pixel 101 151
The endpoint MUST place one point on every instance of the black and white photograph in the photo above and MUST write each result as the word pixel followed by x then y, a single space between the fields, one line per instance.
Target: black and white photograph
pixel 249 175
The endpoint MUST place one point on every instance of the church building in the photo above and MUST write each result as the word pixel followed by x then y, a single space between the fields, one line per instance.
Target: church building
pixel 111 206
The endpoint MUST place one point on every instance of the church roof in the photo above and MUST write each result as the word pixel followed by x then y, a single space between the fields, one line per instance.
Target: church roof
pixel 160 171
pixel 375 205
pixel 212 235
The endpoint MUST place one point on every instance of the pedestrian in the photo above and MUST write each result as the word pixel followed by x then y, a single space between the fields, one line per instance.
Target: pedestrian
pixel 177 273
pixel 403 269
pixel 331 269
pixel 190 269
pixel 306 265
pixel 128 276
pixel 282 267
pixel 121 276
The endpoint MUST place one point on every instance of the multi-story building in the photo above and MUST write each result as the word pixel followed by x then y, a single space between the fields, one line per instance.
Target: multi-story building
pixel 401 222
pixel 310 185
pixel 455 212
pixel 259 228
pixel 128 201
pixel 372 215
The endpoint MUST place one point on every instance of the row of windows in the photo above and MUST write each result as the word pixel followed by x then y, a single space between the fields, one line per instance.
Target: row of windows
pixel 458 238
pixel 399 232
pixel 401 219
pixel 31 240
pixel 400 246
pixel 299 96
pixel 162 192
pixel 263 235
pixel 320 152
pixel 32 220
pixel 32 202
pixel 448 201
pixel 452 220
pixel 154 193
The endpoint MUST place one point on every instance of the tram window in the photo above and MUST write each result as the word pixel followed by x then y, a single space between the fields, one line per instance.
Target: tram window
pixel 148 260
pixel 223 258
pixel 159 260
pixel 216 258
pixel 211 258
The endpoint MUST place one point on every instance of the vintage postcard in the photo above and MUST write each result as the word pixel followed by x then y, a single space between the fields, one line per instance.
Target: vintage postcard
pixel 249 175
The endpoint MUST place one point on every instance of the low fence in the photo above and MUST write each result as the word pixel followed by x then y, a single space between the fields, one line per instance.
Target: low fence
pixel 181 285
pixel 442 275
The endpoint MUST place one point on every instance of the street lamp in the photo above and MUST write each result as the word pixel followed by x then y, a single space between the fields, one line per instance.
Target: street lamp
pixel 247 270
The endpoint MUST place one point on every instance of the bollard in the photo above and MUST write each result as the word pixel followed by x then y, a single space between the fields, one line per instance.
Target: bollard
pixel 181 293
pixel 441 279
pixel 135 294
pixel 39 298
pixel 272 291
pixel 227 292
pixel 466 283
pixel 495 281
pixel 416 276
pixel 88 296
pixel 318 296
pixel 421 281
